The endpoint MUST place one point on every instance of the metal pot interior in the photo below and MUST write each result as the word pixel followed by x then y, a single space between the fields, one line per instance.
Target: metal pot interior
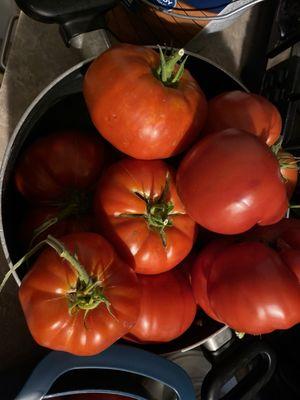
pixel 62 106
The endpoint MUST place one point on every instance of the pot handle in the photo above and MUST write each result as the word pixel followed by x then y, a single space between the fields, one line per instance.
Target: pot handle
pixel 225 370
pixel 117 357
pixel 73 17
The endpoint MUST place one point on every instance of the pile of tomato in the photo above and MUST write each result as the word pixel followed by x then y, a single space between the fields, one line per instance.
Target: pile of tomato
pixel 119 249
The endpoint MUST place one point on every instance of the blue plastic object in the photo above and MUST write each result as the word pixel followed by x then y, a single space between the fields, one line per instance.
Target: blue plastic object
pixel 208 4
pixel 213 5
pixel 118 358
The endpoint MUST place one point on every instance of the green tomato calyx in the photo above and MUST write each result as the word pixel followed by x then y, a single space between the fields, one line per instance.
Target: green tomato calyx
pixel 169 72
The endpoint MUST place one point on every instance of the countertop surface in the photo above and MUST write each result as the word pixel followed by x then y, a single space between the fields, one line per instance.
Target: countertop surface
pixel 37 57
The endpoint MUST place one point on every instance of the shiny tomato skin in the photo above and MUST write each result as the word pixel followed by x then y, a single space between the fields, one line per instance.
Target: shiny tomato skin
pixel 199 275
pixel 292 258
pixel 250 288
pixel 283 236
pixel 246 111
pixel 168 308
pixel 133 109
pixel 44 297
pixel 36 216
pixel 230 181
pixel 58 164
pixel 116 196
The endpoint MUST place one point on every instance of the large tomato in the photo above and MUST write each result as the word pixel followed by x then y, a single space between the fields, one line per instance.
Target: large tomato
pixel 80 297
pixel 249 286
pixel 55 166
pixel 230 181
pixel 140 106
pixel 59 171
pixel 138 208
pixel 167 310
pixel 246 111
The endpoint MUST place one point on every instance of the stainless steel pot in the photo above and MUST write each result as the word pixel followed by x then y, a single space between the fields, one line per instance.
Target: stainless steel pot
pixel 61 105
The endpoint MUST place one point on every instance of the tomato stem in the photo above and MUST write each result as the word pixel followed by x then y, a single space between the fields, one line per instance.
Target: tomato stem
pixel 277 146
pixel 240 335
pixel 42 228
pixel 168 72
pixel 20 262
pixel 78 203
pixel 66 255
pixel 285 160
pixel 62 252
pixel 294 206
pixel 88 293
pixel 158 211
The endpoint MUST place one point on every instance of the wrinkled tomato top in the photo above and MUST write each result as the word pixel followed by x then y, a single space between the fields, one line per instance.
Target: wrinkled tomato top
pixel 135 111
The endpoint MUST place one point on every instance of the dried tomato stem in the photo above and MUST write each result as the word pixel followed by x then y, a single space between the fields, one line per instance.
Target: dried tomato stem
pixel 20 262
pixel 42 228
pixel 78 203
pixel 240 335
pixel 62 252
pixel 276 147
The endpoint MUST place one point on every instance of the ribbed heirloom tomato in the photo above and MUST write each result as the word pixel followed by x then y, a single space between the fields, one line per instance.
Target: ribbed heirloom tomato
pixel 55 166
pixel 247 111
pixel 230 181
pixel 58 172
pixel 254 114
pixel 250 286
pixel 143 103
pixel 167 309
pixel 138 209
pixel 79 296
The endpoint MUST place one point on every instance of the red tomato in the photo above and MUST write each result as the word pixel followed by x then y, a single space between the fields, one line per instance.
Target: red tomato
pixel 271 233
pixel 285 236
pixel 200 273
pixel 248 286
pixel 59 171
pixel 81 314
pixel 135 110
pixel 230 181
pixel 56 165
pixel 246 111
pixel 167 310
pixel 36 216
pixel 138 208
